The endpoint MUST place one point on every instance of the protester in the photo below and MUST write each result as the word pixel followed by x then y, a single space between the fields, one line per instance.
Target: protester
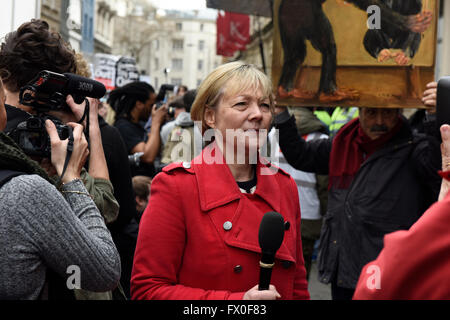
pixel 44 230
pixel 415 264
pixel 312 188
pixel 141 186
pixel 134 103
pixel 181 90
pixel 125 228
pixel 401 271
pixel 179 111
pixel 381 179
pixel 178 136
pixel 198 237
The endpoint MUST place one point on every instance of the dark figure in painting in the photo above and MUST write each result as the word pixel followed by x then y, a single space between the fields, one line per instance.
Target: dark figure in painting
pixel 377 42
pixel 301 20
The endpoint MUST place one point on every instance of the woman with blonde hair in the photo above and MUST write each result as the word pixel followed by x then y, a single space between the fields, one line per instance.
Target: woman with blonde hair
pixel 198 236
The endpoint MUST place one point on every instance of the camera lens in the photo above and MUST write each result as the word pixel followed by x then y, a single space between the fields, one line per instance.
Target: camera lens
pixel 34 123
pixel 63 132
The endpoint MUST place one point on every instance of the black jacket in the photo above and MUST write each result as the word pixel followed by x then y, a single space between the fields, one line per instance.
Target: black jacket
pixel 125 229
pixel 391 190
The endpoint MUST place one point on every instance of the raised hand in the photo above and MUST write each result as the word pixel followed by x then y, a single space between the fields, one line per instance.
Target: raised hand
pixel 430 95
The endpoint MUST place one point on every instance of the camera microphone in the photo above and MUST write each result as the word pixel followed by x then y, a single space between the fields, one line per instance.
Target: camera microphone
pixel 82 86
pixel 271 234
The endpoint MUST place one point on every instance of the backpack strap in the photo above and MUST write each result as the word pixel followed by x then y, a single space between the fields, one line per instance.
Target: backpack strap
pixel 6 175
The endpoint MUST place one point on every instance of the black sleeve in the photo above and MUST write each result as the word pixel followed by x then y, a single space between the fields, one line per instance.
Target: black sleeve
pixel 431 126
pixel 427 159
pixel 119 174
pixel 312 156
pixel 130 136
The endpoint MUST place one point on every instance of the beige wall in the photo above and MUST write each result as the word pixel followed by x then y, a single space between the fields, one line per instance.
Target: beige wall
pixel 51 12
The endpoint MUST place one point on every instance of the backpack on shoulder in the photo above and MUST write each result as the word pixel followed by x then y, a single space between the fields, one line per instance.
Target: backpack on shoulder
pixel 180 146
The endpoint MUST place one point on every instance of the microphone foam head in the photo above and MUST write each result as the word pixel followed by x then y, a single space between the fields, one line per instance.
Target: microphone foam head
pixel 84 86
pixel 271 232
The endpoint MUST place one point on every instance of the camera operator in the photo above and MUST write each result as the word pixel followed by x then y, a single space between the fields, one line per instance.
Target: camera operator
pixel 24 54
pixel 43 229
pixel 133 104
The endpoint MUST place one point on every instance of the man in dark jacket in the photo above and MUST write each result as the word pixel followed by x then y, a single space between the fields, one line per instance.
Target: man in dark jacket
pixel 312 188
pixel 381 179
pixel 134 104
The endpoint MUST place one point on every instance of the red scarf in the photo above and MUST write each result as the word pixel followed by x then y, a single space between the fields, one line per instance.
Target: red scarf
pixel 350 148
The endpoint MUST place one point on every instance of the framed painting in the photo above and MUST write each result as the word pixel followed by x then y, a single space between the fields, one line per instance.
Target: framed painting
pixel 378 53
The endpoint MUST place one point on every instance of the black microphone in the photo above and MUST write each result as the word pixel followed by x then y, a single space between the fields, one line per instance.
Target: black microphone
pixel 271 234
pixel 77 85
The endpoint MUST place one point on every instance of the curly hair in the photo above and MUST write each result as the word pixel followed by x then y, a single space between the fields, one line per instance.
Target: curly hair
pixel 31 49
pixel 82 66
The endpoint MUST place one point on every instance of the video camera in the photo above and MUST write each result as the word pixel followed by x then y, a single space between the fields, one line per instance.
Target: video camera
pixel 48 92
pixel 32 137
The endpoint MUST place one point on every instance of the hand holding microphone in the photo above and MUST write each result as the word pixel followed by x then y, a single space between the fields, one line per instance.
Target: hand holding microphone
pixel 271 234
pixel 255 294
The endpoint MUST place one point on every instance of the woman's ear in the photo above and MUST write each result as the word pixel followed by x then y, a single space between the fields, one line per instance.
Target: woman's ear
pixel 210 117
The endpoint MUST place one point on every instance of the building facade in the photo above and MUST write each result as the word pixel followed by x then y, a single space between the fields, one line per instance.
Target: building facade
pixel 174 47
pixel 51 12
pixel 186 55
pixel 105 13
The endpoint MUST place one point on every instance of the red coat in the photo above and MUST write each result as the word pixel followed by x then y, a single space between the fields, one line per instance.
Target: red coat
pixel 183 250
pixel 413 264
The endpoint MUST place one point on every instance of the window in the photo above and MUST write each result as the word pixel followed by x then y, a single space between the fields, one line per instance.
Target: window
pixel 201 45
pixel 200 65
pixel 177 44
pixel 177 64
pixel 156 82
pixel 178 26
pixel 199 81
pixel 176 81
pixel 50 3
pixel 156 64
pixel 156 44
pixel 201 26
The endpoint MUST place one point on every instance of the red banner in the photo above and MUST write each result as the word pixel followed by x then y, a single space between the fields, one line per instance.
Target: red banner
pixel 233 33
pixel 239 29
pixel 223 46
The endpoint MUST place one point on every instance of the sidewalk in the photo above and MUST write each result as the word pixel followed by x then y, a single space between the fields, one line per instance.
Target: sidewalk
pixel 318 290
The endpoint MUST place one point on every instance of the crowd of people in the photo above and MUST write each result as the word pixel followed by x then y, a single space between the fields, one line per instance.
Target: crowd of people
pixel 160 194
